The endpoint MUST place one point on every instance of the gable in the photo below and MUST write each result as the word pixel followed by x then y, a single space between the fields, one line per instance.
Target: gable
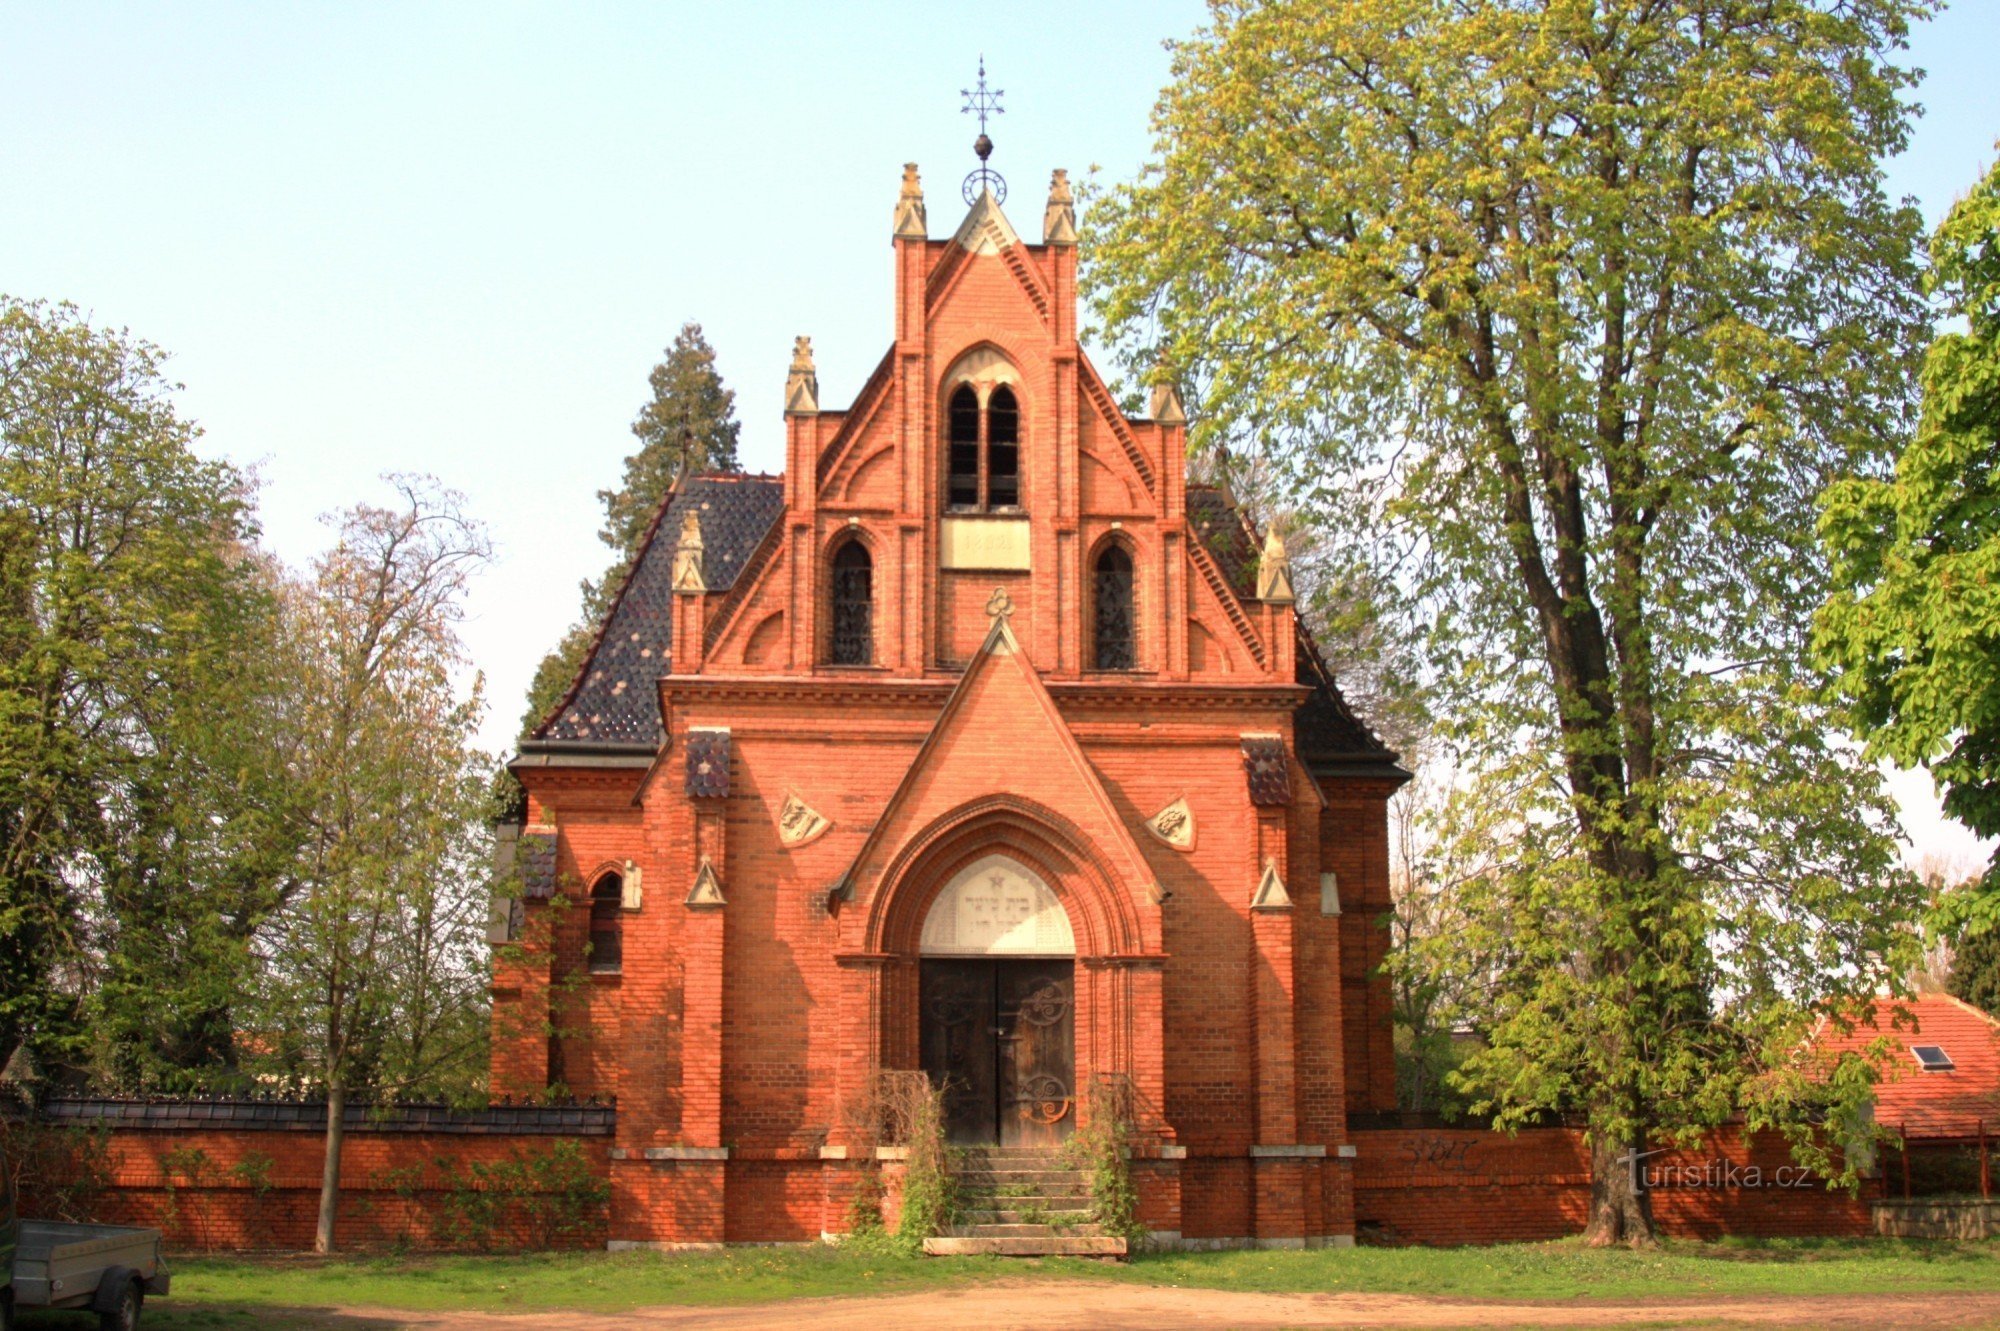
pixel 998 716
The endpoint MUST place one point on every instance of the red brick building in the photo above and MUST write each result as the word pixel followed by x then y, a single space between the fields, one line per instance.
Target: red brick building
pixel 978 742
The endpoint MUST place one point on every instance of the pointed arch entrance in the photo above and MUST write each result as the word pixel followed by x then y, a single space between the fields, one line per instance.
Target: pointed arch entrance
pixel 997 1005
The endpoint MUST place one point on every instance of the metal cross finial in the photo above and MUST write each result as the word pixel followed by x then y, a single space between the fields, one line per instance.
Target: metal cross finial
pixel 982 102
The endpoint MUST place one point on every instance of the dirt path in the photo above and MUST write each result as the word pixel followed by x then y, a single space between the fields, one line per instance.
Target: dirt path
pixel 1049 1307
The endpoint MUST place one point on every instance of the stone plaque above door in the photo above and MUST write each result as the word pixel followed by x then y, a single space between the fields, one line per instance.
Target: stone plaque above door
pixel 997 907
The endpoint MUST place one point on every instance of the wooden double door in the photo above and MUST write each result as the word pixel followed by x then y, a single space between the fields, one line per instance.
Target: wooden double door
pixel 1000 1037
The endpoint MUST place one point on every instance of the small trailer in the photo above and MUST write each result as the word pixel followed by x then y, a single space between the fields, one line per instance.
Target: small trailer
pixel 105 1269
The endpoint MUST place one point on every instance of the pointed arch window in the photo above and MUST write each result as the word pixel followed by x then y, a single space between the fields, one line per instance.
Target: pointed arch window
pixel 853 606
pixel 983 450
pixel 607 942
pixel 1114 630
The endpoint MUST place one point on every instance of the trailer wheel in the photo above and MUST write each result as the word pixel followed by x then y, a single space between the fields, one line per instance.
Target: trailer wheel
pixel 123 1315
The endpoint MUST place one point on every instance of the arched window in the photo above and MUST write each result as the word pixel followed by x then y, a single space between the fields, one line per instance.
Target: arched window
pixel 963 487
pixel 983 450
pixel 1003 449
pixel 853 605
pixel 607 899
pixel 1111 609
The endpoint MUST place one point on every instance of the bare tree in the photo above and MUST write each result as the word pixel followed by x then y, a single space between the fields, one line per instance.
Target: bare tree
pixel 372 970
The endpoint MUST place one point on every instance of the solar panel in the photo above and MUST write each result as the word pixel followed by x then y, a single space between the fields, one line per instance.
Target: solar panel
pixel 1932 1057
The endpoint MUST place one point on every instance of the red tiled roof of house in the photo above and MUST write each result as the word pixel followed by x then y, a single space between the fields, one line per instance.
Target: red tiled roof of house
pixel 1919 1104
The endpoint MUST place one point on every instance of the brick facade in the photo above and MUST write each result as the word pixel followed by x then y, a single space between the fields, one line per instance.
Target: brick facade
pixel 765 979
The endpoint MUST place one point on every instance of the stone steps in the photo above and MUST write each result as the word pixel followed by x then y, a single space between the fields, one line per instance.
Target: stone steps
pixel 1019 1202
pixel 1082 1229
pixel 1017 1215
pixel 1048 1246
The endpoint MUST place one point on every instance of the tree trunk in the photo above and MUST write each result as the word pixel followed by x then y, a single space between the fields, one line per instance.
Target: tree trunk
pixel 1621 1211
pixel 329 1181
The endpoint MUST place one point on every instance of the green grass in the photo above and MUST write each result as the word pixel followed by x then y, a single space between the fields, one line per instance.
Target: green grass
pixel 233 1292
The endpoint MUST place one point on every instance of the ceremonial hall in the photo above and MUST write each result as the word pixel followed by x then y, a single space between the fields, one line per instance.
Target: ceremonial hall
pixel 978 743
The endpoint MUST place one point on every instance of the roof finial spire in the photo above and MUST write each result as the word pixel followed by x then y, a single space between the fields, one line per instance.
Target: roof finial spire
pixel 982 102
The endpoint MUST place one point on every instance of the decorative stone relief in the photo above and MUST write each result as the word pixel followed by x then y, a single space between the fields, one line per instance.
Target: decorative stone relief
pixel 1174 825
pixel 799 822
pixel 997 907
pixel 707 889
pixel 1271 893
pixel 630 893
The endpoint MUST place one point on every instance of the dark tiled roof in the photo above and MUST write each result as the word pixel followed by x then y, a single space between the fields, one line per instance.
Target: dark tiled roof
pixel 1268 770
pixel 708 763
pixel 612 700
pixel 1325 727
pixel 535 856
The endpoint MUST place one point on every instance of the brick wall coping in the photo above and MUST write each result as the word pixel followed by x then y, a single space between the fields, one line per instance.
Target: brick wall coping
pixel 250 1113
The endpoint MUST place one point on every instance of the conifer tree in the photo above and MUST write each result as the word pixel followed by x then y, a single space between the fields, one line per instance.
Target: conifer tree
pixel 688 425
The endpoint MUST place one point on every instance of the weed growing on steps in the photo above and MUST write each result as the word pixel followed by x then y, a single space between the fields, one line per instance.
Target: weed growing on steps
pixel 930 1198
pixel 1099 1147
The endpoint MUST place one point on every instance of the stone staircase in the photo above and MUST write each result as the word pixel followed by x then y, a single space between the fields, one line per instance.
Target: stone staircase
pixel 1020 1202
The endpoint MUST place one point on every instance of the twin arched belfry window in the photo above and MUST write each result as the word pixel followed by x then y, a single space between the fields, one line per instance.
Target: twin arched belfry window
pixel 983 452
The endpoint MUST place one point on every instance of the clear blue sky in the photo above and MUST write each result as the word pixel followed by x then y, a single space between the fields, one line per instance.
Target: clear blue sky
pixel 453 238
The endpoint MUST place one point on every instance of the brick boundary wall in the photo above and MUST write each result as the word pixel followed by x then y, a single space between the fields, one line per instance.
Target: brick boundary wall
pixel 1458 1186
pixel 259 1166
pixel 245 1174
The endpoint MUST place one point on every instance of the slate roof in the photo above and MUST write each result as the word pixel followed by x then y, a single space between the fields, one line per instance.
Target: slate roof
pixel 1325 728
pixel 708 764
pixel 535 856
pixel 1923 1104
pixel 1268 770
pixel 612 701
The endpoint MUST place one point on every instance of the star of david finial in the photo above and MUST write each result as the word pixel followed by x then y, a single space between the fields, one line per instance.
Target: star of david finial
pixel 999 605
pixel 983 102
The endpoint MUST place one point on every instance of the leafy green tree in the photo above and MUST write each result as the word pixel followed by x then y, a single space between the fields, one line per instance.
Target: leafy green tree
pixel 1913 622
pixel 127 594
pixel 209 837
pixel 688 425
pixel 1560 314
